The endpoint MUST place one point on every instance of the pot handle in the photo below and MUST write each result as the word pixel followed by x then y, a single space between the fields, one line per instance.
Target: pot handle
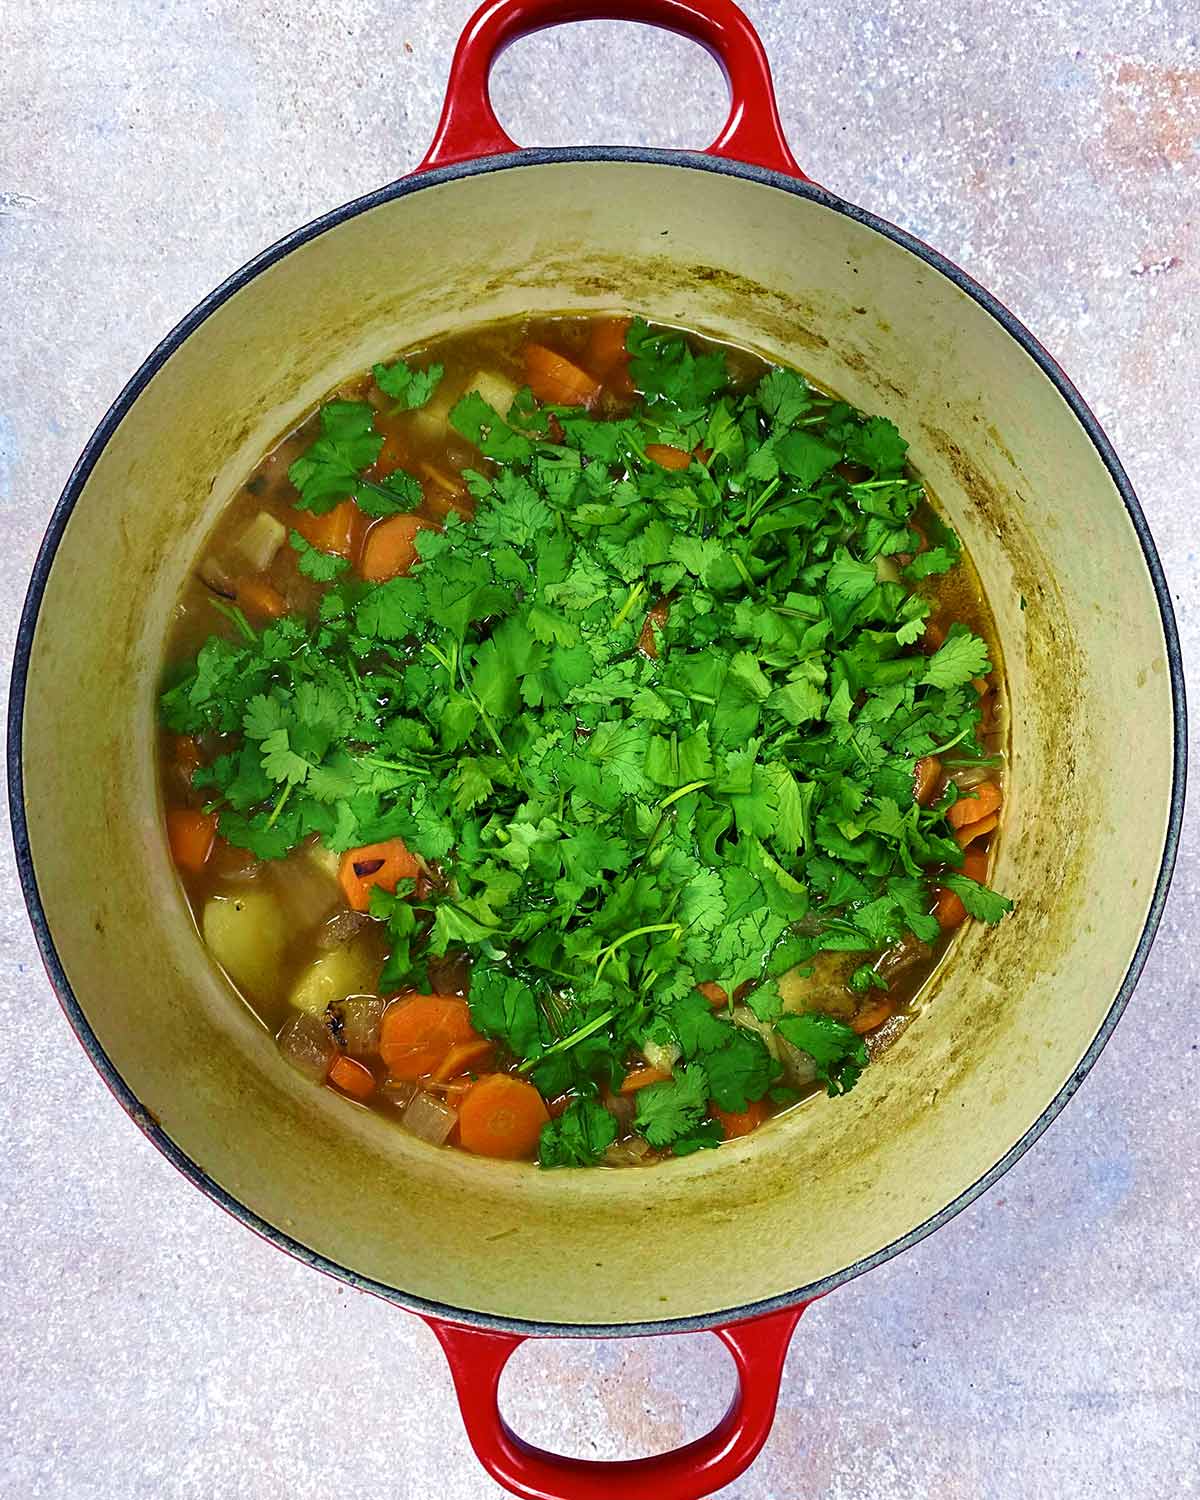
pixel 753 133
pixel 478 1356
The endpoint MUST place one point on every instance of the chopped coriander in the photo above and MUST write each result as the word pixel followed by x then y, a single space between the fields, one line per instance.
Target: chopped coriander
pixel 644 729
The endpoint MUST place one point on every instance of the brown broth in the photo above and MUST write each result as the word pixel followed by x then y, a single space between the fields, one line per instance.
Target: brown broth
pixel 305 884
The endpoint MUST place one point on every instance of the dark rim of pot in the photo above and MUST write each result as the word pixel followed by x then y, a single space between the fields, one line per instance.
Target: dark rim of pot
pixel 692 161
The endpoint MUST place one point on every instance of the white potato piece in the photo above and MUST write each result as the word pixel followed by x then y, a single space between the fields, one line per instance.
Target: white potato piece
pixel 325 859
pixel 349 970
pixel 246 934
pixel 497 390
pixel 260 540
pixel 822 989
pixel 433 418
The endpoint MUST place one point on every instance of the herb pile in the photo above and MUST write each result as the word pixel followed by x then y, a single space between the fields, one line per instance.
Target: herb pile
pixel 607 825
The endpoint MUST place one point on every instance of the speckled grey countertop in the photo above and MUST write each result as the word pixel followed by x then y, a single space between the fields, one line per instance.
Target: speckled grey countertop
pixel 1044 1344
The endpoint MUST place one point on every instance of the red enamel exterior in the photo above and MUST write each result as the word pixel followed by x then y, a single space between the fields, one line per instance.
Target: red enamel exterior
pixel 753 133
pixel 759 1348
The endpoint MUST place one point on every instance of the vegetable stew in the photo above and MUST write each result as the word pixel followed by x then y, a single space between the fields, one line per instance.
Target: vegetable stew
pixel 580 740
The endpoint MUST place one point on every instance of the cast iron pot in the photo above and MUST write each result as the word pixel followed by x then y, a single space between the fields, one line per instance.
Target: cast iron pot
pixel 736 241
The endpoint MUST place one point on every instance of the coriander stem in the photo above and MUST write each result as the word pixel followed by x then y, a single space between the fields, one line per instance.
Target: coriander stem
pixel 278 808
pixel 569 1041
pixel 232 612
pixel 683 791
pixel 635 593
pixel 627 937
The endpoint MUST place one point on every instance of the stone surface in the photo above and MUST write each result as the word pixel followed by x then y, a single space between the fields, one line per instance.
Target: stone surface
pixel 1041 1346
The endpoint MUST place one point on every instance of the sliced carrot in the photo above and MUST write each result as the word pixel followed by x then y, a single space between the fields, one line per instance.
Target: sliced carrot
pixel 667 457
pixel 607 357
pixel 964 837
pixel 949 911
pixel 974 806
pixel 391 547
pixel 191 836
pixel 375 864
pixel 874 1013
pixel 419 1030
pixel 713 993
pixel 655 620
pixel 927 772
pixel 185 751
pixel 740 1122
pixel 460 1058
pixel 554 379
pixel 352 1078
pixel 339 530
pixel 502 1116
pixel 639 1078
pixel 259 597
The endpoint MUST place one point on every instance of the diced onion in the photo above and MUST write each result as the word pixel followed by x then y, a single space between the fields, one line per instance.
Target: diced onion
pixel 260 541
pixel 662 1055
pixel 398 1091
pixel 429 1119
pixel 305 1043
pixel 361 1017
pixel 967 778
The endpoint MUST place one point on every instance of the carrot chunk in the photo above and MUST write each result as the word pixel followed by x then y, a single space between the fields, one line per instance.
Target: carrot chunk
pixel 460 1058
pixel 391 547
pixel 713 993
pixel 607 357
pixel 655 620
pixel 975 806
pixel 927 772
pixel 258 596
pixel 639 1078
pixel 502 1116
pixel 418 1031
pixel 352 1078
pixel 949 911
pixel 339 530
pixel 667 457
pixel 191 836
pixel 964 837
pixel 375 864
pixel 740 1122
pixel 554 379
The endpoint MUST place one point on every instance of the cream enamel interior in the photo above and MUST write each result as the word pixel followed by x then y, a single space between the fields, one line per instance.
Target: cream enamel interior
pixel 1008 1017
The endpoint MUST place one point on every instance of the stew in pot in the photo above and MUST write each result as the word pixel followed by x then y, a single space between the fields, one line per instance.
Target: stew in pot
pixel 581 740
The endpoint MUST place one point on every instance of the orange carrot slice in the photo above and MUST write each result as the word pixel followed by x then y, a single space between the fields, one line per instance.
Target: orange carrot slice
pixel 383 865
pixel 419 1030
pixel 740 1122
pixel 971 808
pixel 352 1078
pixel 502 1116
pixel 667 457
pixel 339 530
pixel 554 379
pixel 391 547
pixel 191 836
pixel 639 1078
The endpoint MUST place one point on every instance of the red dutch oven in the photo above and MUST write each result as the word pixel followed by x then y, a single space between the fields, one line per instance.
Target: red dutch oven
pixel 737 242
